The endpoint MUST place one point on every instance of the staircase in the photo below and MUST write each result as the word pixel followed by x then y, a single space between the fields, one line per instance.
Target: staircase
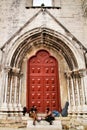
pixel 60 123
pixel 44 125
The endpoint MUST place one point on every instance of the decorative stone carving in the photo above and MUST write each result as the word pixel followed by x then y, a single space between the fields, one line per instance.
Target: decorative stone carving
pixel 15 70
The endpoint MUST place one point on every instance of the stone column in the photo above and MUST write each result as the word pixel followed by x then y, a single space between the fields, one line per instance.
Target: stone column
pixel 15 73
pixel 6 81
pixel 11 89
pixel 5 86
pixel 82 88
pixel 15 92
pixel 73 95
pixel 10 96
pixel 80 91
pixel 85 91
pixel 78 97
pixel 76 91
pixel 67 75
pixel 20 91
pixel 85 88
pixel 68 86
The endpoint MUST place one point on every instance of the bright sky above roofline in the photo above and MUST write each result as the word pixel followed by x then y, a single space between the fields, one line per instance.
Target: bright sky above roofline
pixel 39 2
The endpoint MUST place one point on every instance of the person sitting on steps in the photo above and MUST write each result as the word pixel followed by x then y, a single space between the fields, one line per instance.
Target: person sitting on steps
pixel 33 114
pixel 49 116
pixel 64 112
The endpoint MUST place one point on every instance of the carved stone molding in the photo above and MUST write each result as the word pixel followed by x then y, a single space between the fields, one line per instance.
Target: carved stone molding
pixel 82 72
pixel 76 73
pixel 79 73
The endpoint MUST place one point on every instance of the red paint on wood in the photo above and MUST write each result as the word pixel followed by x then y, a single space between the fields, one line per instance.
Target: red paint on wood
pixel 43 88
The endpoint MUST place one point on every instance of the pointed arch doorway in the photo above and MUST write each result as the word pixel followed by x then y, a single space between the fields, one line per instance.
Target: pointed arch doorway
pixel 43 88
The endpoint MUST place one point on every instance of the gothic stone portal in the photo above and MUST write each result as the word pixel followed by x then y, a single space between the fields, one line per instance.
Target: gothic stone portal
pixel 43 88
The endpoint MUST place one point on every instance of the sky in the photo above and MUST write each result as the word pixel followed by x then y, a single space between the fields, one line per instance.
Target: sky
pixel 39 2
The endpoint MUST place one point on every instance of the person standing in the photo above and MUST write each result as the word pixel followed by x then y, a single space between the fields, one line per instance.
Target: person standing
pixel 24 111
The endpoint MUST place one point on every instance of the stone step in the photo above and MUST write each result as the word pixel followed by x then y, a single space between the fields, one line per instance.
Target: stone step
pixel 65 123
pixel 13 123
pixel 45 125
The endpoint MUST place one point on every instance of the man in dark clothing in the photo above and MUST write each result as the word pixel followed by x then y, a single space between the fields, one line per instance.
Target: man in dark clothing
pixel 49 117
pixel 24 111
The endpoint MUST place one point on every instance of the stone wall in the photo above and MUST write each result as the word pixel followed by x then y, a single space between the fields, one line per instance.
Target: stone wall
pixel 14 15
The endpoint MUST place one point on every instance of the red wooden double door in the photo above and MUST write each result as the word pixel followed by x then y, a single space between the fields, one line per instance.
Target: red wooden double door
pixel 43 82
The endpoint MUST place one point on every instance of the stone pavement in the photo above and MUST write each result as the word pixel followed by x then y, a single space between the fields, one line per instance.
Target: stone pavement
pixel 6 128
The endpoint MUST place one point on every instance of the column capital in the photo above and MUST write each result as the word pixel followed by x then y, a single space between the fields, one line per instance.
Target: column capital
pixel 7 68
pixel 21 74
pixel 68 74
pixel 79 73
pixel 15 70
pixel 76 73
pixel 82 72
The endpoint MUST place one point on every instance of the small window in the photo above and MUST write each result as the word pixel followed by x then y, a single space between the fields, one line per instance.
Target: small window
pixel 40 2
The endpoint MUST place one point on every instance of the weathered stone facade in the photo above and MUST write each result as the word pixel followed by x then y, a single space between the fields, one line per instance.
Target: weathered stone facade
pixel 61 30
